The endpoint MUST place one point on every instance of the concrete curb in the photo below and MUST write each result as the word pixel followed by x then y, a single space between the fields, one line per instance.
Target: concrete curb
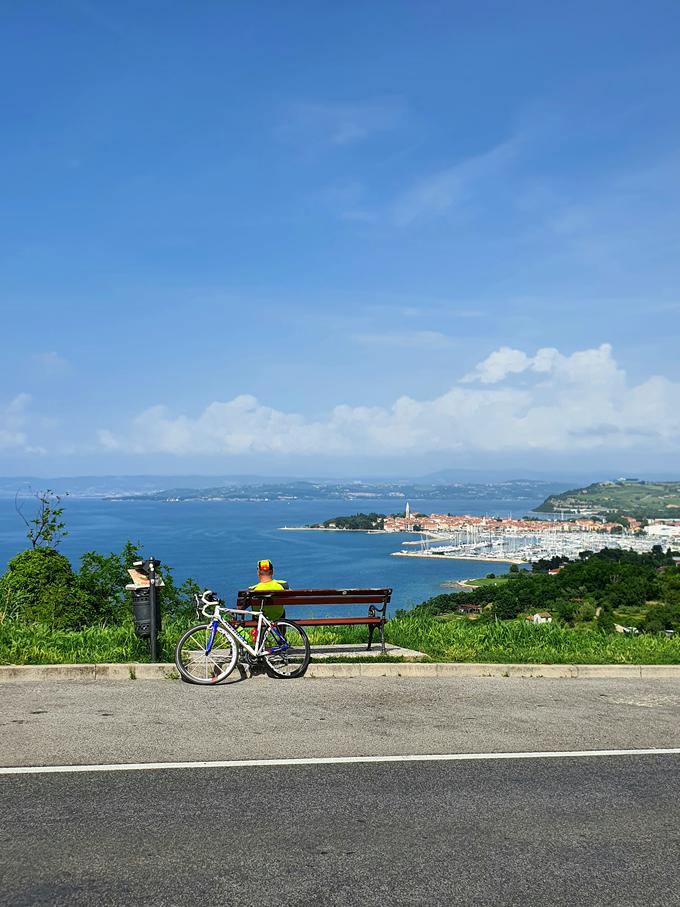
pixel 92 672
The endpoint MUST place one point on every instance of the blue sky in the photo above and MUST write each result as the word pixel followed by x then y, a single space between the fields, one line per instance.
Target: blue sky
pixel 334 238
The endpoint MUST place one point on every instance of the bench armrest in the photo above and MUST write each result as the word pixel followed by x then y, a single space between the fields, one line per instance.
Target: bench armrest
pixel 374 610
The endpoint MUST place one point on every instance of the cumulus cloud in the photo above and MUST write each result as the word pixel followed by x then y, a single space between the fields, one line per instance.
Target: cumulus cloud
pixel 13 426
pixel 546 401
pixel 497 366
pixel 590 366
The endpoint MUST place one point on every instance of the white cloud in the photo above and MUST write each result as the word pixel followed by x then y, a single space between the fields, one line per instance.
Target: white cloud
pixel 595 366
pixel 497 366
pixel 13 424
pixel 564 403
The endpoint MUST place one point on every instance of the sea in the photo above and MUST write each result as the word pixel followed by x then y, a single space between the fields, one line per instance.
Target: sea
pixel 218 543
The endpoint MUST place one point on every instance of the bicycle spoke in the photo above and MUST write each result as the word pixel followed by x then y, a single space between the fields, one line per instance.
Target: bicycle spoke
pixel 291 661
pixel 196 665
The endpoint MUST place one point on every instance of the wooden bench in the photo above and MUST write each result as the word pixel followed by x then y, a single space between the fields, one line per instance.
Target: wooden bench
pixel 376 599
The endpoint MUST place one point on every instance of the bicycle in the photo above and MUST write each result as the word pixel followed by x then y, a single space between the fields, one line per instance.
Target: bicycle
pixel 207 654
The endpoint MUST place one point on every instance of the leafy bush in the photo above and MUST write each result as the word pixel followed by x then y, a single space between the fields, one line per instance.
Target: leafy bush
pixel 662 617
pixel 101 581
pixel 40 585
pixel 605 619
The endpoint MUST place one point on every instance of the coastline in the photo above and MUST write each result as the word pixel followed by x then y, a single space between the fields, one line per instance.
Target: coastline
pixel 328 529
pixel 459 557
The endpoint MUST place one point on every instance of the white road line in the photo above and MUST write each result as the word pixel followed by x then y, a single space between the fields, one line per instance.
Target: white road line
pixel 326 760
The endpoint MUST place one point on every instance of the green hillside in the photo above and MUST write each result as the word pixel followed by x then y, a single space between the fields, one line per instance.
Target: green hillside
pixel 642 500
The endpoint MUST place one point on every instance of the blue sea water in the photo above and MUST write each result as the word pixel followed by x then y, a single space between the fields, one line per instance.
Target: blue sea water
pixel 218 543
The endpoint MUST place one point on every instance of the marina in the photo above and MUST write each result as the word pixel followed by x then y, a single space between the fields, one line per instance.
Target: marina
pixel 496 545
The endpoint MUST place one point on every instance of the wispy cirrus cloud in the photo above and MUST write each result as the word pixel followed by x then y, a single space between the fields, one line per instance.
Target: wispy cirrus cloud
pixel 444 189
pixel 564 403
pixel 340 124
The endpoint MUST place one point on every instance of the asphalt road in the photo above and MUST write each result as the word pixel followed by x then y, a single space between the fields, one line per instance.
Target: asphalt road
pixel 148 721
pixel 576 832
pixel 583 831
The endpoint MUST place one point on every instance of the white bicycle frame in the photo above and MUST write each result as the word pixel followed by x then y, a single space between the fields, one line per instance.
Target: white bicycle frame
pixel 262 623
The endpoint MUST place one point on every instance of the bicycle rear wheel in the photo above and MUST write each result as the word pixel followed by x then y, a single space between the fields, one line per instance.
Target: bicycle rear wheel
pixel 196 665
pixel 289 651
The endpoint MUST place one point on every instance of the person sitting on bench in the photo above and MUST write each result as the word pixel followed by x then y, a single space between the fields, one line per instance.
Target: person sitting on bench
pixel 267 583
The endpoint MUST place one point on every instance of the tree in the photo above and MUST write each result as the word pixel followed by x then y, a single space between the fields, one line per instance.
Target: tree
pixel 605 619
pixel 40 585
pixel 102 579
pixel 669 583
pixel 46 529
pixel 566 611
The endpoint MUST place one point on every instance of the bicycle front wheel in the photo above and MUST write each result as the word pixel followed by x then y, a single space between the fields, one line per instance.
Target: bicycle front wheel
pixel 198 665
pixel 287 650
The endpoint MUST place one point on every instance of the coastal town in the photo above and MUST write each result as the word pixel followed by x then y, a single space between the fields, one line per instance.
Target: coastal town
pixel 525 540
pixel 446 522
pixel 508 539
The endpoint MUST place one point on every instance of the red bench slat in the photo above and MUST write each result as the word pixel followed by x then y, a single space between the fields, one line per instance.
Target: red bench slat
pixel 320 621
pixel 321 596
pixel 275 599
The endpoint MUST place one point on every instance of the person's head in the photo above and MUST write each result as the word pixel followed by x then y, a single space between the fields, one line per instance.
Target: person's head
pixel 265 571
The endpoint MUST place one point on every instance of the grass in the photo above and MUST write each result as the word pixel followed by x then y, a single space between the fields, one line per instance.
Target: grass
pixel 441 640
pixel 631 617
pixel 486 581
pixel 522 642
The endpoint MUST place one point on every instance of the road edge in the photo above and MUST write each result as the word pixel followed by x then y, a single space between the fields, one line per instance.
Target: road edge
pixel 137 671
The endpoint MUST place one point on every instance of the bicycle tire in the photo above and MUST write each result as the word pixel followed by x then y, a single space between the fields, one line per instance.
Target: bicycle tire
pixel 279 665
pixel 216 666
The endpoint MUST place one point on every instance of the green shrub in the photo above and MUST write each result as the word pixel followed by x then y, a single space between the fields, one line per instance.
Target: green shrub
pixel 585 612
pixel 662 617
pixel 605 620
pixel 40 585
pixel 101 582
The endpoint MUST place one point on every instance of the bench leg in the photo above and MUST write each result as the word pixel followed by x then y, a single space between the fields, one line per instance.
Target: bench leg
pixel 382 637
pixel 371 629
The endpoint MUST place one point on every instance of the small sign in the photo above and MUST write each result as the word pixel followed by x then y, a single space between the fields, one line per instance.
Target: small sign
pixel 139 579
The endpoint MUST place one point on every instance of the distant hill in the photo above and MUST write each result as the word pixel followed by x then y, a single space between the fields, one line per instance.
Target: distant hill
pixel 511 493
pixel 629 497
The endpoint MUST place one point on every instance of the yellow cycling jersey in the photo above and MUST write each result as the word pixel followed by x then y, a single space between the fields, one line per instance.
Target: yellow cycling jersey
pixel 274 585
pixel 271 612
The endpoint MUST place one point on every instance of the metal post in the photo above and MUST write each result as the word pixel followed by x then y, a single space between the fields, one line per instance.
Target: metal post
pixel 152 602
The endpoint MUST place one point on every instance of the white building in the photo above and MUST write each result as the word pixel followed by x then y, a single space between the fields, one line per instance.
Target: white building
pixel 662 530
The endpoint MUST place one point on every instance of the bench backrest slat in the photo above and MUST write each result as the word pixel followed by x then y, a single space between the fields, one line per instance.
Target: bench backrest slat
pixel 325 597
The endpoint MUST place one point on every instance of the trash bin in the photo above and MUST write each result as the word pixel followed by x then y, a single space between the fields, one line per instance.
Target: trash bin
pixel 141 611
pixel 144 589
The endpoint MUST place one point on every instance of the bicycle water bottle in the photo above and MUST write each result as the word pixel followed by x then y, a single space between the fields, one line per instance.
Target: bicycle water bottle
pixel 240 629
